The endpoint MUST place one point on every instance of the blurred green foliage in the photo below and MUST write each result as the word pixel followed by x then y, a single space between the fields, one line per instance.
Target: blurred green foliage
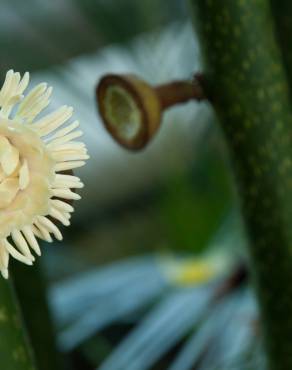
pixel 194 204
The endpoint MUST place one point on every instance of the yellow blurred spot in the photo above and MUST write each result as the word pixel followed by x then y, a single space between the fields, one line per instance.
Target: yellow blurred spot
pixel 194 272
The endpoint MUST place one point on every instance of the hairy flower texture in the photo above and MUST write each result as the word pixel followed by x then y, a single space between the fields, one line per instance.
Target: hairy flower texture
pixel 32 153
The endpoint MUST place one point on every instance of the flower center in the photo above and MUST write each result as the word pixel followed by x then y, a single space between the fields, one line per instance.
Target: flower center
pixel 14 173
pixel 26 174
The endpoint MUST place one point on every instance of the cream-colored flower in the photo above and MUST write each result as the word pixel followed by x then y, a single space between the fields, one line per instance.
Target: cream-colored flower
pixel 32 152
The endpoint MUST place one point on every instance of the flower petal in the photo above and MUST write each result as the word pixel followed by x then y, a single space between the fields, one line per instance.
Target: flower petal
pixel 9 160
pixel 15 254
pixel 50 227
pixel 53 120
pixel 8 190
pixel 60 216
pixel 64 166
pixel 34 102
pixel 31 239
pixel 4 260
pixel 21 244
pixel 62 206
pixel 23 175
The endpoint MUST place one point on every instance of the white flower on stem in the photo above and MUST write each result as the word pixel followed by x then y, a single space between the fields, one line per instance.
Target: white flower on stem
pixel 32 152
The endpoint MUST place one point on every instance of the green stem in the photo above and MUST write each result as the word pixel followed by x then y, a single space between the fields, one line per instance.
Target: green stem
pixel 249 90
pixel 14 348
pixel 282 12
pixel 31 292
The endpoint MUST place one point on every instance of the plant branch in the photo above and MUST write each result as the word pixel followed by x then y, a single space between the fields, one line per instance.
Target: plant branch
pixel 177 92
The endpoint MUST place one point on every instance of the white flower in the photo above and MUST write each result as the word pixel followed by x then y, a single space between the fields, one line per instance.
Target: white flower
pixel 32 152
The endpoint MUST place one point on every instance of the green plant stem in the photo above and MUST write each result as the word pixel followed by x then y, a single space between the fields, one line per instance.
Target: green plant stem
pixel 14 348
pixel 282 12
pixel 248 88
pixel 31 292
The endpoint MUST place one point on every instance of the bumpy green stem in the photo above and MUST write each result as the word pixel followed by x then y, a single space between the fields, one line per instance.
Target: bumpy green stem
pixel 247 84
pixel 282 11
pixel 14 348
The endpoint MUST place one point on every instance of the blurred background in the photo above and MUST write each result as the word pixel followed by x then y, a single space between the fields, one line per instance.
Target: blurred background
pixel 152 272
